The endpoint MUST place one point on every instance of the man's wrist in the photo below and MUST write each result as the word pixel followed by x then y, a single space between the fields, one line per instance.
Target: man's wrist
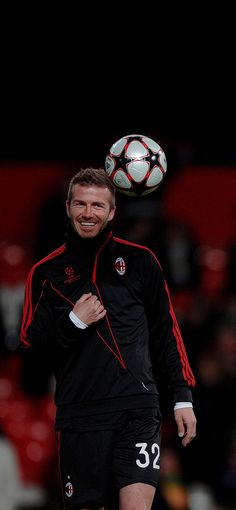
pixel 182 405
pixel 76 321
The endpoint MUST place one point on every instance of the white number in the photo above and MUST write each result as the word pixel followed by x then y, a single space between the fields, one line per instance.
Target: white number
pixel 142 451
pixel 155 447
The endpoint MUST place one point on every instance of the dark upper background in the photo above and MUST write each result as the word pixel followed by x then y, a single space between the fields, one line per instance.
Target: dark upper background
pixel 72 86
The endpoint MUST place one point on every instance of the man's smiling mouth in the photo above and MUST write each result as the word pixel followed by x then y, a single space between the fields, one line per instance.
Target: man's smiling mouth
pixel 87 224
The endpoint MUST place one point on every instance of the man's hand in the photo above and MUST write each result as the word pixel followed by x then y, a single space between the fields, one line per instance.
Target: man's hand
pixel 89 309
pixel 186 424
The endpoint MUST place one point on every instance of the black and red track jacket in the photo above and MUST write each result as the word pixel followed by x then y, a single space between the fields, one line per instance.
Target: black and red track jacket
pixel 110 365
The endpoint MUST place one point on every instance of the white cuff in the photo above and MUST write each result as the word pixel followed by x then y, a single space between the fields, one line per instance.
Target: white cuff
pixel 181 405
pixel 76 321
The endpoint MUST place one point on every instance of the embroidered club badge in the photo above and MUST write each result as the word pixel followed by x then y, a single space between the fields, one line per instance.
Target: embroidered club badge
pixel 69 489
pixel 120 266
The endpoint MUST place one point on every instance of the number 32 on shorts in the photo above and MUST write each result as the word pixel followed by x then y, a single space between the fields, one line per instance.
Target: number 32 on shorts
pixel 145 460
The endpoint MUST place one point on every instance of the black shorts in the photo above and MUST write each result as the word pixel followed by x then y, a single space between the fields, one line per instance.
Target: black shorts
pixel 119 448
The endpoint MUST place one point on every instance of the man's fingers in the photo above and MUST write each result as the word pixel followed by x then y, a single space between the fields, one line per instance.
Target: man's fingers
pixel 99 308
pixel 84 297
pixel 186 424
pixel 180 425
pixel 190 433
pixel 181 429
pixel 187 439
pixel 101 314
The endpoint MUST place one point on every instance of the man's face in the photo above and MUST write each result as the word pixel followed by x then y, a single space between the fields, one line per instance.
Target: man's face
pixel 90 209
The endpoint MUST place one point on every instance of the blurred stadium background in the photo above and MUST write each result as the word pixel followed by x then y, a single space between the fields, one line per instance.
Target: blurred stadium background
pixel 190 224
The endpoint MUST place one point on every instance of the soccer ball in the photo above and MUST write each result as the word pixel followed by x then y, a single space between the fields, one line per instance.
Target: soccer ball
pixel 136 165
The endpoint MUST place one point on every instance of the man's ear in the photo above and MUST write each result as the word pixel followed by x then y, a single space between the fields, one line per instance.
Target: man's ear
pixel 68 208
pixel 112 213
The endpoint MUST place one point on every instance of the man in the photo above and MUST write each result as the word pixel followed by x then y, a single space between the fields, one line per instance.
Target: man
pixel 103 304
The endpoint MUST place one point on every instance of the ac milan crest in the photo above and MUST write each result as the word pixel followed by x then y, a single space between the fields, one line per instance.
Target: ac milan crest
pixel 120 266
pixel 69 489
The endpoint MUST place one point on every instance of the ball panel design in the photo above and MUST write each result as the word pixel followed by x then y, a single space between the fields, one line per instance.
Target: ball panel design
pixel 163 162
pixel 109 165
pixel 154 146
pixel 138 170
pixel 121 180
pixel 155 177
pixel 136 149
pixel 118 147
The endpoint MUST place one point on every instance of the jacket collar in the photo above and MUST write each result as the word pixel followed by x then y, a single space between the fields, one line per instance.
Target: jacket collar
pixel 74 241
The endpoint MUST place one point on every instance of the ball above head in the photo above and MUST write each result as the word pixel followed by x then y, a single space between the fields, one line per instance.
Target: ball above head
pixel 136 165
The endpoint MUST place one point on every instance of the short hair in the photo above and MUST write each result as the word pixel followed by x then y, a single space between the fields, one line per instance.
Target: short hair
pixel 89 176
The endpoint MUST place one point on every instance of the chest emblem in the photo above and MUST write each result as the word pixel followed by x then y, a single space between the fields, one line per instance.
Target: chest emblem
pixel 69 489
pixel 120 266
pixel 70 273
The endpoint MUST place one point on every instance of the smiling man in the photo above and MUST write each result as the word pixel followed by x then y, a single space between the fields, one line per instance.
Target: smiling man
pixel 103 304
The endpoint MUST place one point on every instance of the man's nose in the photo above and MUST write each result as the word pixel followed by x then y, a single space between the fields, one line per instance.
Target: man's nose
pixel 87 211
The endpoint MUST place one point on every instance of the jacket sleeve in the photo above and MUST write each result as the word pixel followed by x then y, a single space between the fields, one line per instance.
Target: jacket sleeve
pixel 37 318
pixel 167 347
pixel 40 324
